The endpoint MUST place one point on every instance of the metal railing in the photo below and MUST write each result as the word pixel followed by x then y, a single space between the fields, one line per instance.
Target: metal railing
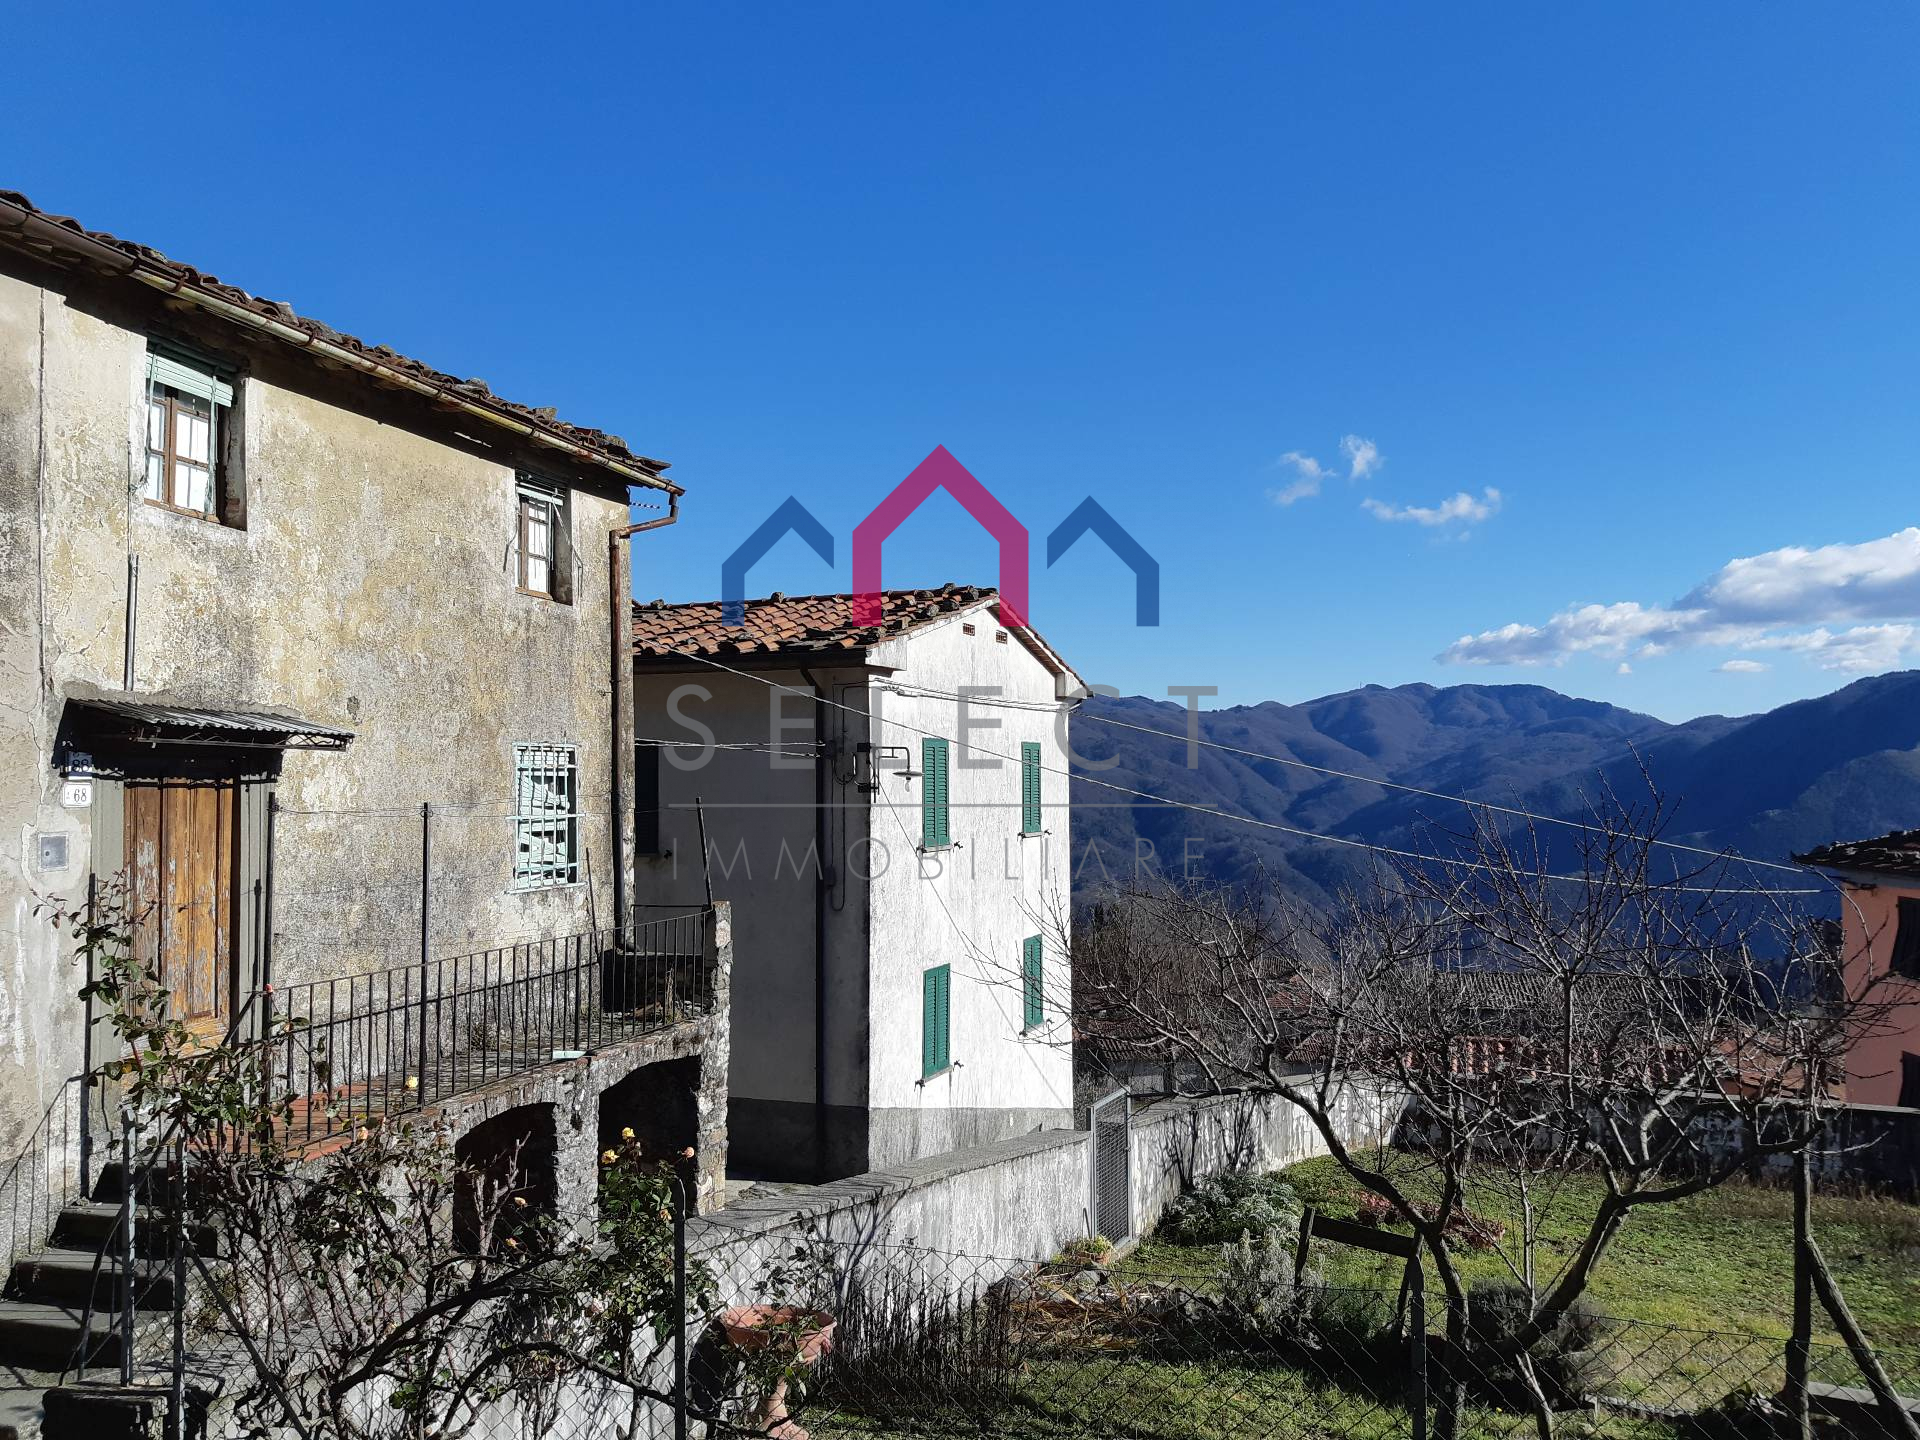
pixel 361 1046
pixel 48 1174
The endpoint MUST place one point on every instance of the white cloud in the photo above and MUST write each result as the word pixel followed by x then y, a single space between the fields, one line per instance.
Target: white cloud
pixel 1363 458
pixel 1623 668
pixel 1461 509
pixel 1309 473
pixel 1741 667
pixel 1782 600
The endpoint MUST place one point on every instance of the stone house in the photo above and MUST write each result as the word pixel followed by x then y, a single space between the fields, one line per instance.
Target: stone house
pixel 886 810
pixel 326 653
pixel 1880 942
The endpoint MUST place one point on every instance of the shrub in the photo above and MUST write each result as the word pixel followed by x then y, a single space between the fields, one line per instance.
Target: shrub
pixel 1087 1250
pixel 1256 1280
pixel 1219 1210
pixel 1565 1359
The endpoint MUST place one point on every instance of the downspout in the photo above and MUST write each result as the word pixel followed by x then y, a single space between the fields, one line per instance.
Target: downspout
pixel 620 658
pixel 822 841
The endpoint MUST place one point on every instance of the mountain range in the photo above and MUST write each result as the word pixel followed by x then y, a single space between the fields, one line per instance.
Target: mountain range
pixel 1842 766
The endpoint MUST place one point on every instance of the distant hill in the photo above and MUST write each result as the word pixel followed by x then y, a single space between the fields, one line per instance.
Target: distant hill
pixel 1841 766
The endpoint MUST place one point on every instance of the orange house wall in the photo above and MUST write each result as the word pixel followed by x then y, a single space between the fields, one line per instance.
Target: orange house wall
pixel 1869 918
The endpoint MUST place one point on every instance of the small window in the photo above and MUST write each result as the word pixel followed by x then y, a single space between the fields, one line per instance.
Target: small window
pixel 1910 1081
pixel 1030 816
pixel 192 449
pixel 934 829
pixel 546 818
pixel 646 799
pixel 936 1052
pixel 1906 940
pixel 1033 982
pixel 545 565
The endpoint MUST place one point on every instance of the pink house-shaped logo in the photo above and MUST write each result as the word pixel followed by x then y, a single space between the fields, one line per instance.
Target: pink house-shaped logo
pixel 939 471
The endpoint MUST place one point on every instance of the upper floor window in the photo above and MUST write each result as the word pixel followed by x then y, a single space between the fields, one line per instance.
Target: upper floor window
pixel 545 566
pixel 546 816
pixel 192 438
pixel 1031 816
pixel 934 828
pixel 1906 939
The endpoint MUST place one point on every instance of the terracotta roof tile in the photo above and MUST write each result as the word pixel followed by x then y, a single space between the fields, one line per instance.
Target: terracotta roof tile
pixel 803 625
pixel 46 238
pixel 1897 853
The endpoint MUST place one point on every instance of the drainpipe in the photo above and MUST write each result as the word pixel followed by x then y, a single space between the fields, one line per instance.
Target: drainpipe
pixel 822 840
pixel 620 660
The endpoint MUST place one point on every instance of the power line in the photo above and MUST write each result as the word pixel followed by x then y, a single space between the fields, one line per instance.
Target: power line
pixel 1273 825
pixel 996 703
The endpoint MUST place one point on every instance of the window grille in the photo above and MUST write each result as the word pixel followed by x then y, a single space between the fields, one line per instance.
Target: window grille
pixel 546 821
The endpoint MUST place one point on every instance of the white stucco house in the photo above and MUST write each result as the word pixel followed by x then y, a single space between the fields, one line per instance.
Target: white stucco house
pixel 886 807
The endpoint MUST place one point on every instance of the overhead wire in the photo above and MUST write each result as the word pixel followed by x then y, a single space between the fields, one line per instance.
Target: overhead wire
pixel 1394 852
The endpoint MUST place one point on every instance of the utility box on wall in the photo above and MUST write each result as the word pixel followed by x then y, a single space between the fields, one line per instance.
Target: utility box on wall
pixel 50 853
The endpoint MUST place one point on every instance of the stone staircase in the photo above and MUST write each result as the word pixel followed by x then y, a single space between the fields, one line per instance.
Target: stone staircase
pixel 44 1319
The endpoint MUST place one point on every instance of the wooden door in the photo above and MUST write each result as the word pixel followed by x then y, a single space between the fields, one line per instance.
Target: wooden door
pixel 181 855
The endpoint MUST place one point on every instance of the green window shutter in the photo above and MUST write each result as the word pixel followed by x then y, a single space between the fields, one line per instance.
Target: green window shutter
pixel 1035 986
pixel 935 1019
pixel 1030 787
pixel 933 794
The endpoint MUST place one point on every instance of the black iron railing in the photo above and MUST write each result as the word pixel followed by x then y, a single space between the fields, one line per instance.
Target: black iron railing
pixel 362 1046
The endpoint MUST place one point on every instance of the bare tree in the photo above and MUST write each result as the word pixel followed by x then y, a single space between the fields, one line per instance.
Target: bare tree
pixel 1651 1020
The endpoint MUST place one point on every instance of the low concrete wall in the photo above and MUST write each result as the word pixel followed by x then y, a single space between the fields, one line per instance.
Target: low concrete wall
pixel 1178 1143
pixel 1876 1147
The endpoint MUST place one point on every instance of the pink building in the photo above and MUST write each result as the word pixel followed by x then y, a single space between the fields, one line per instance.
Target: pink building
pixel 1880 922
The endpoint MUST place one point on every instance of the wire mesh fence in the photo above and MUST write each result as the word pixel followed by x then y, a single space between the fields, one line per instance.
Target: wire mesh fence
pixel 921 1342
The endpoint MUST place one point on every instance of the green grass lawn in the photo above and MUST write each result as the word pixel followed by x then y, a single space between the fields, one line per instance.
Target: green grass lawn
pixel 1721 1260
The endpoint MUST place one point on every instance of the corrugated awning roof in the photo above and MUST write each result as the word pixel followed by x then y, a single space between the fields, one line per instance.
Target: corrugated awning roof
pixel 175 724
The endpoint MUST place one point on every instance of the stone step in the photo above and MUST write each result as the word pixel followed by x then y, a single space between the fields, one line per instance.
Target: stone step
pixel 66 1277
pixel 91 1224
pixel 33 1334
pixel 156 1181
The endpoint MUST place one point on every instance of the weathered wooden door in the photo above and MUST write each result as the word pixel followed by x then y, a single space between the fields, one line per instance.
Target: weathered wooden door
pixel 181 855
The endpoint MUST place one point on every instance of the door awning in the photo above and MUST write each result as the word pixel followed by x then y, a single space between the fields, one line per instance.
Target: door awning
pixel 152 724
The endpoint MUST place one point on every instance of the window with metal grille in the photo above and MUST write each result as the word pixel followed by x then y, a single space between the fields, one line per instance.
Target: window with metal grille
pixel 1033 982
pixel 542 540
pixel 934 829
pixel 546 818
pixel 1029 787
pixel 936 1053
pixel 192 445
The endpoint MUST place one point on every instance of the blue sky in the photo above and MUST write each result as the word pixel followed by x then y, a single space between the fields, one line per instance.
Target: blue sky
pixel 1647 273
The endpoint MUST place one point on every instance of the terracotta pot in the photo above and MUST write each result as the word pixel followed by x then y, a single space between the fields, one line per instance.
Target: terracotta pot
pixel 760 1327
pixel 756 1327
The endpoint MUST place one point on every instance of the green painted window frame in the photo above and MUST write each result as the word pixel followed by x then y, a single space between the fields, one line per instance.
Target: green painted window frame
pixel 1030 811
pixel 936 1020
pixel 1033 982
pixel 935 828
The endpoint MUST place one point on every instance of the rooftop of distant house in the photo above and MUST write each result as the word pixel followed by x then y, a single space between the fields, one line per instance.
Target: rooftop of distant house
pixel 64 242
pixel 1897 853
pixel 812 626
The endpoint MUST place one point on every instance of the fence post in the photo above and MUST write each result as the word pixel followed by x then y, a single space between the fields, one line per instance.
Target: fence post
pixel 177 1408
pixel 679 1308
pixel 426 910
pixel 1417 1350
pixel 1799 1413
pixel 128 1180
